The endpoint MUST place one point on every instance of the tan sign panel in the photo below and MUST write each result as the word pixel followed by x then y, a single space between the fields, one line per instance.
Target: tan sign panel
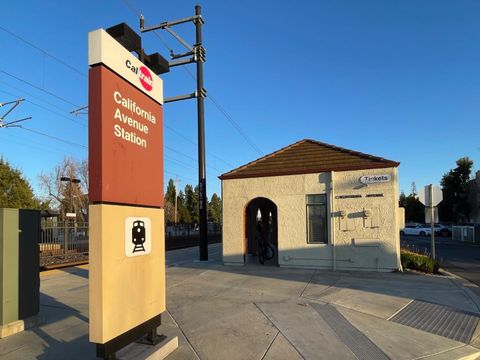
pixel 104 49
pixel 124 291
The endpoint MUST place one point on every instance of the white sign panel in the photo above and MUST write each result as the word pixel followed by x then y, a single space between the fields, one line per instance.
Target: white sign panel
pixel 138 236
pixel 424 195
pixel 428 215
pixel 72 215
pixel 104 49
pixel 373 179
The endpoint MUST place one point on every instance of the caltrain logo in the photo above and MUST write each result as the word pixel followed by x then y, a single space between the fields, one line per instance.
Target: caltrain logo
pixel 144 75
pixel 138 236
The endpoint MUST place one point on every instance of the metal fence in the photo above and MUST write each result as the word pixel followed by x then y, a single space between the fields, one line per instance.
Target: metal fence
pixel 63 242
pixel 466 233
pixel 187 235
pixel 66 243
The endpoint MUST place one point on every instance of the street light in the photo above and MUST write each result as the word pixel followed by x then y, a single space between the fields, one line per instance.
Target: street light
pixel 71 181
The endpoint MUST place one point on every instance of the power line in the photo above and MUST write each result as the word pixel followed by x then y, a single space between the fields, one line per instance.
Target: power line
pixel 46 108
pixel 39 88
pixel 53 137
pixel 181 177
pixel 32 144
pixel 194 143
pixel 189 157
pixel 138 13
pixel 43 51
pixel 31 95
pixel 215 102
pixel 179 162
pixel 228 117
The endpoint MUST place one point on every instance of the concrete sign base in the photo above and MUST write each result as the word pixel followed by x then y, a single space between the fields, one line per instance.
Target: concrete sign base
pixel 148 352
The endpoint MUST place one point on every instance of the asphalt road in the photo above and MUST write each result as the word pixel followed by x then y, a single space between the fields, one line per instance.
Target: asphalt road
pixel 461 259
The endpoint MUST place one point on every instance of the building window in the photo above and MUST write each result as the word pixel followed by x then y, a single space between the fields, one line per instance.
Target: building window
pixel 317 219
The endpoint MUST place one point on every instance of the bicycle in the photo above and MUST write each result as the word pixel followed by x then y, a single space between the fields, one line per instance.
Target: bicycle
pixel 265 251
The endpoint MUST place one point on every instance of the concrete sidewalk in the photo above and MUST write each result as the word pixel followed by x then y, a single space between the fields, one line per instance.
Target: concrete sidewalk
pixel 266 312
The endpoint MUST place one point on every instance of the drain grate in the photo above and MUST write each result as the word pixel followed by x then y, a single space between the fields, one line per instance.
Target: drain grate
pixel 438 319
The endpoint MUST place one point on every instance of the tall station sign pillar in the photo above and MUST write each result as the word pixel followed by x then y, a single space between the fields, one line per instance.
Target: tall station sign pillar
pixel 126 213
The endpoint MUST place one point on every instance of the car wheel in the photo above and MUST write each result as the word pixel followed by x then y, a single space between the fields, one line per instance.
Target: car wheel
pixel 402 233
pixel 422 233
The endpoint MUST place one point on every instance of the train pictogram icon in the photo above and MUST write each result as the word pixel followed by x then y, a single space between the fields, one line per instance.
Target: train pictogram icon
pixel 138 236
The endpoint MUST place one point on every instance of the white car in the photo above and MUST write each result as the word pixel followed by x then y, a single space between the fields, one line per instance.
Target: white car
pixel 419 230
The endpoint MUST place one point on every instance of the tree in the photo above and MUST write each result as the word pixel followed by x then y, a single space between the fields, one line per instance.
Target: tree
pixel 183 213
pixel 455 206
pixel 67 196
pixel 414 210
pixel 402 202
pixel 215 209
pixel 191 202
pixel 170 202
pixel 15 191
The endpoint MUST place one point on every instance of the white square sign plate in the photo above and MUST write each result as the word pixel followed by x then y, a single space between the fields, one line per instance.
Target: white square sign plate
pixel 138 236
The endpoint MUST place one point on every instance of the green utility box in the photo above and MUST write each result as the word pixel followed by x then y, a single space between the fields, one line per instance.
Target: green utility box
pixel 20 233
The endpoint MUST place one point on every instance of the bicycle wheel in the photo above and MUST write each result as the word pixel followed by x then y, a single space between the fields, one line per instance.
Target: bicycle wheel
pixel 268 252
pixel 261 258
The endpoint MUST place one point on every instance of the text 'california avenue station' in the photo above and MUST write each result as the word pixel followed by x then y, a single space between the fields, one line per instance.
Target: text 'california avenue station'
pixel 131 136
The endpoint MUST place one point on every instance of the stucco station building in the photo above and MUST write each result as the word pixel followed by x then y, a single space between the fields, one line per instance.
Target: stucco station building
pixel 320 206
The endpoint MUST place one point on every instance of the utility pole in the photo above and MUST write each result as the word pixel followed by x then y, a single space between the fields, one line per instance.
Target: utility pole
pixel 198 52
pixel 202 181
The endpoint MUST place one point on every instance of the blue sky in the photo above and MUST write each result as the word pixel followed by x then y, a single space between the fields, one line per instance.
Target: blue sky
pixel 397 79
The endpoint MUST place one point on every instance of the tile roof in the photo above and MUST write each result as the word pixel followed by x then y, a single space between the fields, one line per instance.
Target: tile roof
pixel 305 157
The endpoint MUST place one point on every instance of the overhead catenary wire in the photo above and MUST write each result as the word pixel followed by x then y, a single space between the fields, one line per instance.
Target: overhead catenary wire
pixel 47 109
pixel 180 177
pixel 194 143
pixel 30 95
pixel 53 137
pixel 189 157
pixel 30 143
pixel 39 88
pixel 228 117
pixel 214 101
pixel 18 37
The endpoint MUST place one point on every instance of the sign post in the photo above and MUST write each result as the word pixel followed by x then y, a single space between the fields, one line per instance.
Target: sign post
pixel 431 196
pixel 432 222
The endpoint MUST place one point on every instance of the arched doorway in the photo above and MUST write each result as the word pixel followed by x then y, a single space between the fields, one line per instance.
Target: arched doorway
pixel 261 221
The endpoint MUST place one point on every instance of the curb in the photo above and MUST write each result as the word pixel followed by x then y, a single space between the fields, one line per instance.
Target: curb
pixel 463 284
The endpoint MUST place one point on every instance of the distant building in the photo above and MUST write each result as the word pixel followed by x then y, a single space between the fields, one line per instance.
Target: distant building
pixel 319 205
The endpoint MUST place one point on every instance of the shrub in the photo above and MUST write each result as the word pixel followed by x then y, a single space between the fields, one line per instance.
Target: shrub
pixel 419 262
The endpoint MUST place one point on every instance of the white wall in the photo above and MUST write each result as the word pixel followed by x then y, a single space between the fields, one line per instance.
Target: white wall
pixel 351 234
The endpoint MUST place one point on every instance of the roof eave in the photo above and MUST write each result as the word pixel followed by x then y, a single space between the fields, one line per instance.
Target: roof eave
pixel 228 176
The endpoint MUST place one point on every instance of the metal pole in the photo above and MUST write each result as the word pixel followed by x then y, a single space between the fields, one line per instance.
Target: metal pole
pixel 202 182
pixel 432 219
pixel 175 206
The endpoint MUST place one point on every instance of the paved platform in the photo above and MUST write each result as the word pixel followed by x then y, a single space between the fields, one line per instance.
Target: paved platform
pixel 266 312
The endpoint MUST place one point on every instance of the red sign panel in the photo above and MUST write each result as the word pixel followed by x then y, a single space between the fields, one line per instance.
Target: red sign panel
pixel 125 131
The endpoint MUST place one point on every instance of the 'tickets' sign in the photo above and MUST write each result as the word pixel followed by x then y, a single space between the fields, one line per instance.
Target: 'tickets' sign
pixel 125 142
